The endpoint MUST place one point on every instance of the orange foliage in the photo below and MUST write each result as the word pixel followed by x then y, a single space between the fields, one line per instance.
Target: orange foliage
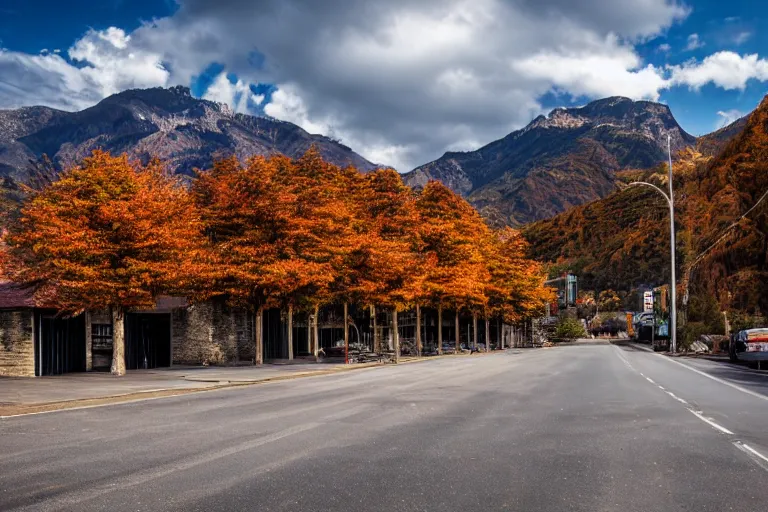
pixel 108 234
pixel 267 232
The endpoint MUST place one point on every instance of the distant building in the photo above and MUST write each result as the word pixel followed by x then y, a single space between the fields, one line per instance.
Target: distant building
pixel 566 288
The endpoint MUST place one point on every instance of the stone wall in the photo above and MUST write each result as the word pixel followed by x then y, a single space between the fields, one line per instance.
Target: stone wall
pixel 212 333
pixel 17 345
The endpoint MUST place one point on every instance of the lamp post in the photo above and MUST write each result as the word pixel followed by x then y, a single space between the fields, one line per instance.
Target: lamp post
pixel 672 287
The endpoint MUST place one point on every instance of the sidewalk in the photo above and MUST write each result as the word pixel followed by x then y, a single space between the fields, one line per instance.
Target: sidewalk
pixel 26 395
pixel 42 394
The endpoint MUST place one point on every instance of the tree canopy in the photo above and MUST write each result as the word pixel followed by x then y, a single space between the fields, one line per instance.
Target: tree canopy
pixel 109 234
pixel 265 232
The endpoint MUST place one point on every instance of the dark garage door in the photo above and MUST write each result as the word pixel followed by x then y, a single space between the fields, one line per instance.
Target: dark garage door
pixel 147 340
pixel 60 344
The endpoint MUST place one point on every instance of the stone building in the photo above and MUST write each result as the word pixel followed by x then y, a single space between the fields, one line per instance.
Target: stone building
pixel 35 341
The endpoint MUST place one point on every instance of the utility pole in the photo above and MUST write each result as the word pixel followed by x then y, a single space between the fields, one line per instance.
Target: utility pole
pixel 672 285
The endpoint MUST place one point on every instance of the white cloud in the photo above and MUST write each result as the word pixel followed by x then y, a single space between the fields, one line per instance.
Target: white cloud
pixel 108 66
pixel 288 105
pixel 619 74
pixel 113 66
pixel 237 95
pixel 399 81
pixel 403 79
pixel 664 48
pixel 742 37
pixel 724 69
pixel 694 43
pixel 728 116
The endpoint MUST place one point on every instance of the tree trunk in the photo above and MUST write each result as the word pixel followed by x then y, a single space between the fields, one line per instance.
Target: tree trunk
pixel 118 341
pixel 499 335
pixel 458 333
pixel 309 335
pixel 395 335
pixel 88 342
pixel 346 334
pixel 418 330
pixel 487 335
pixel 316 346
pixel 376 347
pixel 259 335
pixel 290 333
pixel 440 330
pixel 474 330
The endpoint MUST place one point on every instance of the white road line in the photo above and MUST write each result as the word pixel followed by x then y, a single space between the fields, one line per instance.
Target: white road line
pixel 710 422
pixel 677 398
pixel 716 379
pixel 757 457
pixel 750 450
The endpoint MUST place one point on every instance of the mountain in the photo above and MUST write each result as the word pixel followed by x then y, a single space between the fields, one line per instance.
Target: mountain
pixel 567 158
pixel 169 123
pixel 715 142
pixel 622 241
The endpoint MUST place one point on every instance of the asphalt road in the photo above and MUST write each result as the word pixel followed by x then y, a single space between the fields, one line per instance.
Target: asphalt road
pixel 586 428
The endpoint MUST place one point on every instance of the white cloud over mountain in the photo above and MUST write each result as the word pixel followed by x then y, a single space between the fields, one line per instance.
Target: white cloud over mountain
pixel 728 70
pixel 399 81
pixel 729 116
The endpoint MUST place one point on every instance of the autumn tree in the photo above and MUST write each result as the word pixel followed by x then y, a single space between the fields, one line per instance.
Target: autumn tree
pixel 322 230
pixel 277 228
pixel 109 234
pixel 451 234
pixel 319 238
pixel 516 288
pixel 383 268
pixel 245 210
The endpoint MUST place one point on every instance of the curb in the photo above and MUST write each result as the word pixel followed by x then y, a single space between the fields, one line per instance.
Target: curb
pixel 13 411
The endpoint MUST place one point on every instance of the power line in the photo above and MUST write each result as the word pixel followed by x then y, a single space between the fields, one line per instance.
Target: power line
pixel 726 231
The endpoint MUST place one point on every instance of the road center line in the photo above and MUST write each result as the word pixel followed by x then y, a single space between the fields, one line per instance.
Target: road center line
pixel 758 457
pixel 710 422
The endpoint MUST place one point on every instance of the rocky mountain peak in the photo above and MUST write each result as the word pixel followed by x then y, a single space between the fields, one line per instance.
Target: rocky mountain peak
pixel 171 124
pixel 559 160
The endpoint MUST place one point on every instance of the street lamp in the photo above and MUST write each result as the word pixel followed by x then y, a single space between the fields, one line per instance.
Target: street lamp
pixel 671 202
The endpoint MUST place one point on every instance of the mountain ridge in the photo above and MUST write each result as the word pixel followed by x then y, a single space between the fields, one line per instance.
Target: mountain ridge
pixel 557 161
pixel 171 124
pixel 621 241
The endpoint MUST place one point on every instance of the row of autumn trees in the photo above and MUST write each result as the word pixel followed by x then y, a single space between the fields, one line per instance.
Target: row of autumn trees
pixel 268 232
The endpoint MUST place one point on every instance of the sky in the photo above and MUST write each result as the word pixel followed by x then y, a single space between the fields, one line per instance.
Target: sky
pixel 399 81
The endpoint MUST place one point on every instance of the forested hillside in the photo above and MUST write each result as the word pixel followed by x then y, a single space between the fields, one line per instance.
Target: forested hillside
pixel 622 241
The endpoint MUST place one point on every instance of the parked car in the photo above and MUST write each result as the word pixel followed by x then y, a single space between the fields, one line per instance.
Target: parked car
pixel 749 345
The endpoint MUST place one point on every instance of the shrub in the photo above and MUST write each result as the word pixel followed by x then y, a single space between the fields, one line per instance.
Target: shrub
pixel 570 329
